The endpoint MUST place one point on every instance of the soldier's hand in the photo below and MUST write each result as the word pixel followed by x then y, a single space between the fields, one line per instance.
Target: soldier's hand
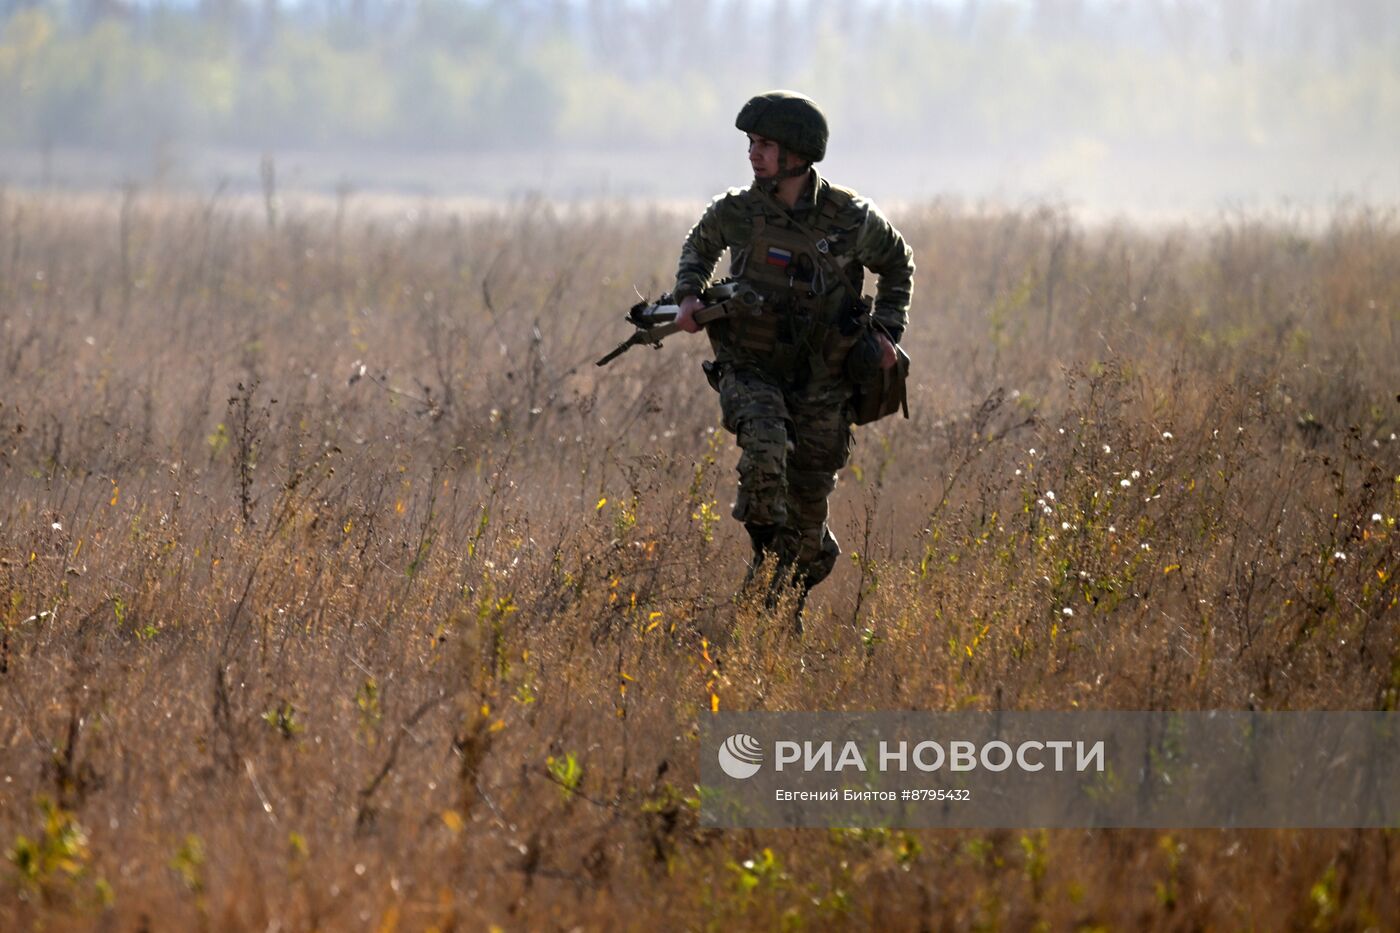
pixel 686 319
pixel 887 354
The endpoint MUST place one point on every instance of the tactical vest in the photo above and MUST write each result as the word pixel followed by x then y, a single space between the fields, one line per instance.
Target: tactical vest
pixel 810 318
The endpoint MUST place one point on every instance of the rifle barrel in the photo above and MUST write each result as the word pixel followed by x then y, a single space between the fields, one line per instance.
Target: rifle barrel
pixel 617 351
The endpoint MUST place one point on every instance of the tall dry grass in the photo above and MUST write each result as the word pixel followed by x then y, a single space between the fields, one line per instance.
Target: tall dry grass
pixel 342 591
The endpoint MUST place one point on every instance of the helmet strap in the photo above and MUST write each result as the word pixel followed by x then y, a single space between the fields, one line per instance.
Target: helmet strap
pixel 771 184
pixel 799 169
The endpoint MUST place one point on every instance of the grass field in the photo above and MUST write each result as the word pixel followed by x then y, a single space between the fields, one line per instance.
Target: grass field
pixel 340 590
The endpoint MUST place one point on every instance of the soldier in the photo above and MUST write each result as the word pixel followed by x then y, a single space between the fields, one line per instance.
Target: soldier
pixel 786 377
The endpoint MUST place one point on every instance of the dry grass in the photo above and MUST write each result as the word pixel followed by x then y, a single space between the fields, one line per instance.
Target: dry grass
pixel 429 647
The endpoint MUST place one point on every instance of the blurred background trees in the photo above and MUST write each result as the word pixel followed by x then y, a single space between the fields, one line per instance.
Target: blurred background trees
pixel 455 74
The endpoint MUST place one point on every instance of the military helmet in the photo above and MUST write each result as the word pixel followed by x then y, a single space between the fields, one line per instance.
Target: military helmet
pixel 790 119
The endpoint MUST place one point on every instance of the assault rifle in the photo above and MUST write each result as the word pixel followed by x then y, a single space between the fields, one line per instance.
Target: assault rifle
pixel 656 320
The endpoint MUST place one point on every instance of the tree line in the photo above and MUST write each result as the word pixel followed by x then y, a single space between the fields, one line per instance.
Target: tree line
pixel 453 74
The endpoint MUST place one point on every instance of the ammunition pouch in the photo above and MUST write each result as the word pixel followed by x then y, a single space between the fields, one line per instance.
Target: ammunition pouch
pixel 845 335
pixel 776 339
pixel 878 392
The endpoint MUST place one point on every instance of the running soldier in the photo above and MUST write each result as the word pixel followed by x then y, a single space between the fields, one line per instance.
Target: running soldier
pixel 787 376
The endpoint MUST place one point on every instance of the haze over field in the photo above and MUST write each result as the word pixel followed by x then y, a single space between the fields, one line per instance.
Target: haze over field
pixel 1145 107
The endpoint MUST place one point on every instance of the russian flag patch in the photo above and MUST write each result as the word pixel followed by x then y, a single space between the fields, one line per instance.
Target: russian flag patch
pixel 779 257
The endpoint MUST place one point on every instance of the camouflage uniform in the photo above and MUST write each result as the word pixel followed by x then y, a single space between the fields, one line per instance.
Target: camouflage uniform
pixel 779 374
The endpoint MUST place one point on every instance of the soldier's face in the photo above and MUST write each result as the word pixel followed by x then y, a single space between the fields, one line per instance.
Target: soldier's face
pixel 763 156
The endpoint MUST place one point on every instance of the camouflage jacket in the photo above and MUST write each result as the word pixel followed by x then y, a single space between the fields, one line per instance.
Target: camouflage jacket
pixel 860 236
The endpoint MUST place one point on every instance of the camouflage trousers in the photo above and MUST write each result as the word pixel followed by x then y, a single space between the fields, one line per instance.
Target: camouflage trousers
pixel 793 442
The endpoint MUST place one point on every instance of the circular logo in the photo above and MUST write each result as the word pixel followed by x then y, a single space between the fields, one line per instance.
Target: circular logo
pixel 741 756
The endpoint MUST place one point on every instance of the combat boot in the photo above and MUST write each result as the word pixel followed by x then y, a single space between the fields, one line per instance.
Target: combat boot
pixel 798 609
pixel 785 581
pixel 761 537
